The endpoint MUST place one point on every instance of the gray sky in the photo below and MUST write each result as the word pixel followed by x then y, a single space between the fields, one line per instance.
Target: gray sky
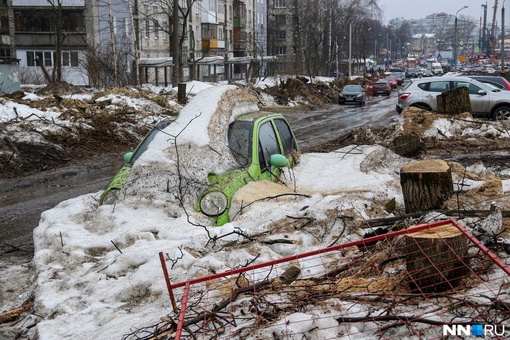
pixel 417 9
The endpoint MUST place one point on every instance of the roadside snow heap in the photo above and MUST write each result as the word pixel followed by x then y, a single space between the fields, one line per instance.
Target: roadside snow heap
pixel 99 269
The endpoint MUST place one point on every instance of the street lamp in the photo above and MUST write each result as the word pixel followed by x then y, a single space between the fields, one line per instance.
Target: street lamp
pixel 455 36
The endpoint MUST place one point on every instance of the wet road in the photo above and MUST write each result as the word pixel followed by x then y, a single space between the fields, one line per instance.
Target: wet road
pixel 316 127
pixel 24 199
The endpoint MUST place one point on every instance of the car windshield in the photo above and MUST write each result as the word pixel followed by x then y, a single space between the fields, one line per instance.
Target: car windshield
pixel 352 88
pixel 142 147
pixel 489 87
pixel 239 141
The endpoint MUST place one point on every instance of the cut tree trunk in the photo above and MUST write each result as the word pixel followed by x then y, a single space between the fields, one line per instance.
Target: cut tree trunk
pixel 436 259
pixel 409 145
pixel 426 184
pixel 454 101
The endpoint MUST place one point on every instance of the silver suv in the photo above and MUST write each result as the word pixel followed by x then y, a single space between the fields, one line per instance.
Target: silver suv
pixel 485 100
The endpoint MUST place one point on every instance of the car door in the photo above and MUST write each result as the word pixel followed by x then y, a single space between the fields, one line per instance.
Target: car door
pixel 480 101
pixel 432 90
pixel 268 145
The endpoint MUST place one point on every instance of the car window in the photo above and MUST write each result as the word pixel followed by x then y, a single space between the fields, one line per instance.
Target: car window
pixel 142 147
pixel 268 144
pixel 473 89
pixel 439 86
pixel 288 141
pixel 497 85
pixel 352 88
pixel 239 141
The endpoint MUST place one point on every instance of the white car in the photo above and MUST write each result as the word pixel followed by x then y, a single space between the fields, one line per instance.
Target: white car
pixel 485 100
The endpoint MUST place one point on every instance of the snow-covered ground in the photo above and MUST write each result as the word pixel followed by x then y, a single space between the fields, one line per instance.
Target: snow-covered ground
pixel 98 267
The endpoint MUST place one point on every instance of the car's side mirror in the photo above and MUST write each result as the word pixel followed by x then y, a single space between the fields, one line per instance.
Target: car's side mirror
pixel 482 92
pixel 127 156
pixel 277 160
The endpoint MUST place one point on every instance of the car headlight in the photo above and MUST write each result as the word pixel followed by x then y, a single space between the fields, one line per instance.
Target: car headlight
pixel 111 197
pixel 359 95
pixel 213 203
pixel 341 95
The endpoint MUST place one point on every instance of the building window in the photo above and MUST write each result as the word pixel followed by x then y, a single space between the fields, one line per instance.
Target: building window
pixel 165 30
pixel 279 3
pixel 34 56
pixel 280 19
pixel 147 28
pixel 281 35
pixel 281 50
pixel 70 59
pixel 156 30
pixel 5 53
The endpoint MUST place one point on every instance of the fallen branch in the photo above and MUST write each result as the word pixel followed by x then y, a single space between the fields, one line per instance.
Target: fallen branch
pixel 377 222
pixel 398 318
pixel 14 314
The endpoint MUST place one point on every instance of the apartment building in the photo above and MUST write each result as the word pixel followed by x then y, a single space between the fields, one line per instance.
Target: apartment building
pixel 105 43
pixel 37 40
pixel 9 68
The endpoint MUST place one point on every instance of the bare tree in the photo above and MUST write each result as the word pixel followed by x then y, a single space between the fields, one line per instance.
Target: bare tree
pixel 57 23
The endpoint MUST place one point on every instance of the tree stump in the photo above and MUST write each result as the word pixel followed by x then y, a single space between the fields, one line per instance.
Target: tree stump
pixel 426 184
pixel 454 101
pixel 409 145
pixel 436 258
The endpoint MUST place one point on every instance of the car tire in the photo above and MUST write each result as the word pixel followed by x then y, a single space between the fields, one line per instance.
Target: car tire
pixel 423 107
pixel 501 113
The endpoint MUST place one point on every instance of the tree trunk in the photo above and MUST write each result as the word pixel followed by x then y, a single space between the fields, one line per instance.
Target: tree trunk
pixel 454 101
pixel 426 184
pixel 436 259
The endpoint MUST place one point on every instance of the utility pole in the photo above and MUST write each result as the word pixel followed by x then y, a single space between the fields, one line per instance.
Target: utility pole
pixel 503 37
pixel 484 30
pixel 175 44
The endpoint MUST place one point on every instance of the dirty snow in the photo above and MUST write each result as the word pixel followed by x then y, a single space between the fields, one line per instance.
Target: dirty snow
pixel 98 271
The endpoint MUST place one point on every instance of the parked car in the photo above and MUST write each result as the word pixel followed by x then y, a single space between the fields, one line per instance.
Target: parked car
pixel 382 87
pixel 485 102
pixel 392 80
pixel 261 144
pixel 352 94
pixel 110 194
pixel 499 82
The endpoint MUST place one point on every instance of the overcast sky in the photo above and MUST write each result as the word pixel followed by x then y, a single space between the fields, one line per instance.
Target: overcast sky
pixel 420 9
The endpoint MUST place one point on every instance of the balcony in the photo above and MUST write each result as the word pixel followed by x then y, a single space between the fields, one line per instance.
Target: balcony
pixel 210 44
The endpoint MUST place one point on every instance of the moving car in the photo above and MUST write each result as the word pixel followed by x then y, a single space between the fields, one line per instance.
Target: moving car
pixel 352 94
pixel 412 72
pixel 496 81
pixel 485 102
pixel 382 87
pixel 400 77
pixel 392 80
pixel 260 144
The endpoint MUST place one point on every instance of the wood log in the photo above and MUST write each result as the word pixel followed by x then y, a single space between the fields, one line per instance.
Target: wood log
pixel 409 145
pixel 436 259
pixel 426 184
pixel 454 101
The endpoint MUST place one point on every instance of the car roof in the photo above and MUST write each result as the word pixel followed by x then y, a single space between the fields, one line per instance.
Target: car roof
pixel 253 116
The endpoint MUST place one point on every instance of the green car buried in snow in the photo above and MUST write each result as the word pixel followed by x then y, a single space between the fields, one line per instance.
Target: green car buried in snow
pixel 261 143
